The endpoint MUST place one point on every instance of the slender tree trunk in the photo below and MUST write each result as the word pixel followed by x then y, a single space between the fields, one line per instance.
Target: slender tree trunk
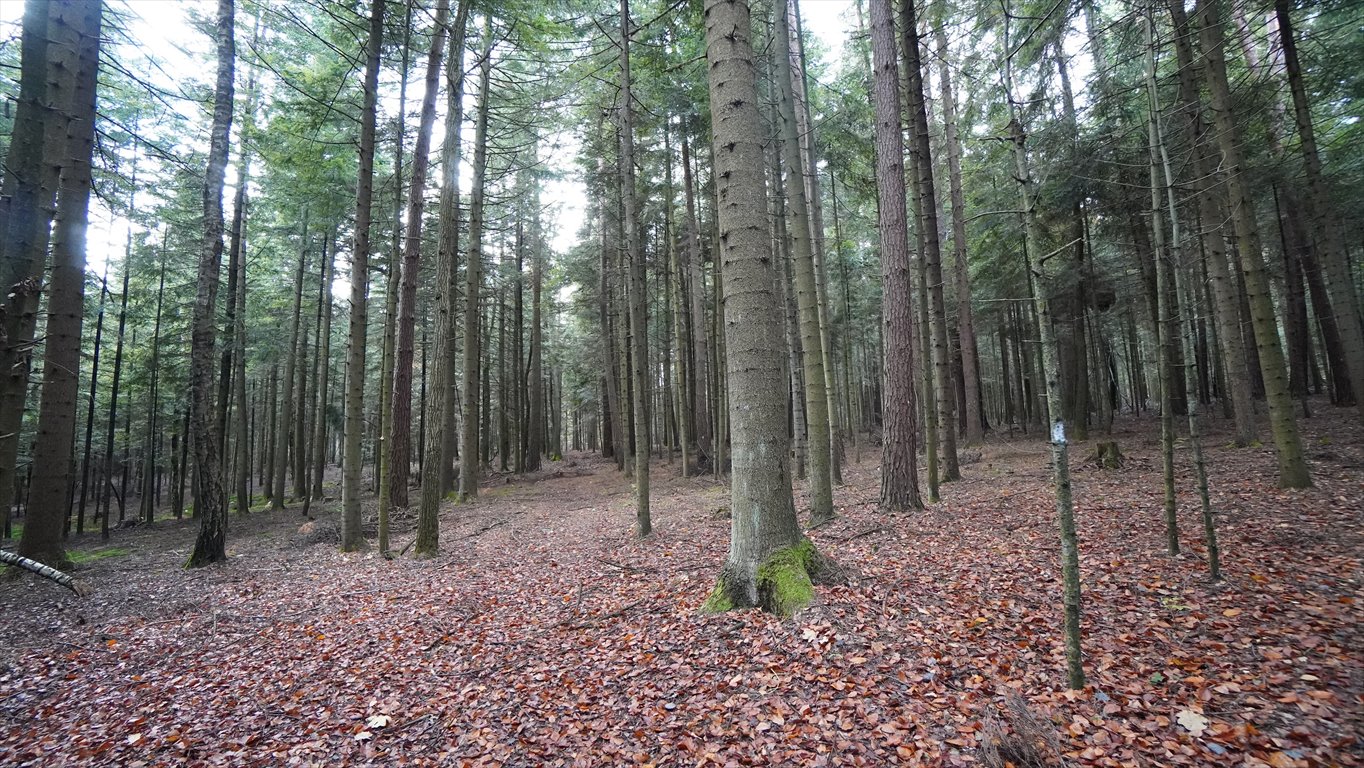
pixel 400 424
pixel 899 457
pixel 1070 560
pixel 148 505
pixel 639 329
pixel 1293 471
pixel 944 392
pixel 770 562
pixel 966 329
pixel 352 537
pixel 1163 312
pixel 324 348
pixel 691 252
pixel 1330 246
pixel 469 450
pixel 286 407
pixel 807 297
pixel 52 458
pixel 90 409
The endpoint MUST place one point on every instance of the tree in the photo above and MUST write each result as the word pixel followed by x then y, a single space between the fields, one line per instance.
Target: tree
pixel 433 487
pixel 899 459
pixel 1051 365
pixel 77 57
pixel 1293 471
pixel 473 281
pixel 211 501
pixel 770 564
pixel 352 537
pixel 639 329
pixel 400 434
pixel 29 186
pixel 802 252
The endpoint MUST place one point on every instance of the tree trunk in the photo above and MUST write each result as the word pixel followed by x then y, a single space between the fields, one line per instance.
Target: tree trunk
pixel 1060 461
pixel 899 458
pixel 691 254
pixel 352 537
pixel 79 60
pixel 639 329
pixel 469 450
pixel 944 392
pixel 1293 471
pixel 1330 246
pixel 798 230
pixel 400 424
pixel 966 324
pixel 286 407
pixel 770 562
pixel 29 186
pixel 210 500
pixel 436 468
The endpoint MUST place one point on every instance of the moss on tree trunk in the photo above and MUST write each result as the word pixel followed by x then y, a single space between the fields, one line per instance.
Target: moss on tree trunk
pixel 783 583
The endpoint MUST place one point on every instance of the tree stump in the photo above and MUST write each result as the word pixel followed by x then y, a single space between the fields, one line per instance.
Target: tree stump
pixel 1107 456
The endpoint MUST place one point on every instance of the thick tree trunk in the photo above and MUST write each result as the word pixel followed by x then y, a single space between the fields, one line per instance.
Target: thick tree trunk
pixel 352 537
pixel 42 537
pixel 29 186
pixel 436 471
pixel 899 459
pixel 770 562
pixel 210 500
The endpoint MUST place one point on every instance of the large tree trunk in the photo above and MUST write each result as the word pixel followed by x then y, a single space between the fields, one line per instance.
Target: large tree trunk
pixel 770 562
pixel 210 500
pixel 473 284
pixel 899 450
pixel 1293 471
pixel 807 296
pixel 29 188
pixel 352 537
pixel 47 507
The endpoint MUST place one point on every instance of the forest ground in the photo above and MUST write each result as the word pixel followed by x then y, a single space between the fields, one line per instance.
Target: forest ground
pixel 546 634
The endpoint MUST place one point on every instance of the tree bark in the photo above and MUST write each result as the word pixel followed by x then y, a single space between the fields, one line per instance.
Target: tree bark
pixel 352 537
pixel 899 452
pixel 42 536
pixel 469 449
pixel 1293 470
pixel 798 230
pixel 639 329
pixel 770 562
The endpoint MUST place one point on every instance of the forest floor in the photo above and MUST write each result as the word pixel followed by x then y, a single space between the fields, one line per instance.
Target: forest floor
pixel 545 633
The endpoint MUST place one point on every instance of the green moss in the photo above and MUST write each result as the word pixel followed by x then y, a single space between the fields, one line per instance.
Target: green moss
pixel 784 585
pixel 719 600
pixel 79 557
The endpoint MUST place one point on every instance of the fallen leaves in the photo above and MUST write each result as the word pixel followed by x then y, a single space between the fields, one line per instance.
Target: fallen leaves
pixel 585 645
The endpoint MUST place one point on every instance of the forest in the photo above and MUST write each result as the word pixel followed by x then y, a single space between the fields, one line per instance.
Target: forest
pixel 682 382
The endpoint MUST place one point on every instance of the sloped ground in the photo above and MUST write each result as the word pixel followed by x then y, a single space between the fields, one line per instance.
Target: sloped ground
pixel 545 634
